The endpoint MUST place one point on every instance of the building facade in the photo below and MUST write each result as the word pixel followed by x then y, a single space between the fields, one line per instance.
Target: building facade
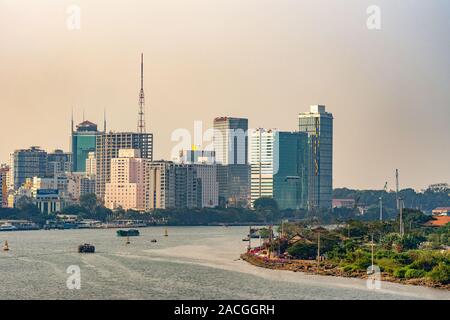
pixel 84 140
pixel 127 186
pixel 4 170
pixel 207 176
pixel 318 124
pixel 231 140
pixel 234 185
pixel 279 167
pixel 108 146
pixel 197 156
pixel 27 163
pixel 58 163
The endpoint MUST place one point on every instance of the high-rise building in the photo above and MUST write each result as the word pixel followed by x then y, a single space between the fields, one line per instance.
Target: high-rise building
pixel 173 185
pixel 279 167
pixel 206 169
pixel 58 163
pixel 108 146
pixel 197 156
pixel 27 163
pixel 83 141
pixel 318 124
pixel 91 165
pixel 231 140
pixel 207 176
pixel 127 187
pixel 234 185
pixel 4 170
pixel 161 185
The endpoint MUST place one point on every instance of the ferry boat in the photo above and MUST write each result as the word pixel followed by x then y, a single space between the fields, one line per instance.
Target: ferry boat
pixel 86 248
pixel 7 227
pixel 127 233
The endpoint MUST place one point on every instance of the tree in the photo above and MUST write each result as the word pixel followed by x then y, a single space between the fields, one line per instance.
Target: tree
pixel 89 201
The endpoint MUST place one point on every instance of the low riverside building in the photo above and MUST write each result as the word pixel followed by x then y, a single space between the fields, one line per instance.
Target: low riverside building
pixel 441 211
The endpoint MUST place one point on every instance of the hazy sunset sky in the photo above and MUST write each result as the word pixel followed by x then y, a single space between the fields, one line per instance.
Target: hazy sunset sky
pixel 388 89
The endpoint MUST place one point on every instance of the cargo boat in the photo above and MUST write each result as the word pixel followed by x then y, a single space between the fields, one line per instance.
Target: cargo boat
pixel 127 233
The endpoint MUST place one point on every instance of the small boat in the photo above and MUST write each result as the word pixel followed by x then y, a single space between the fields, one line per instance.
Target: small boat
pixel 127 233
pixel 6 246
pixel 166 233
pixel 7 227
pixel 246 239
pixel 86 248
pixel 153 241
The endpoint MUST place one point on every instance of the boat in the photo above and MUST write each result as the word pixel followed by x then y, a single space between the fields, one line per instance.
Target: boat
pixel 127 233
pixel 153 241
pixel 86 248
pixel 246 239
pixel 7 227
pixel 6 246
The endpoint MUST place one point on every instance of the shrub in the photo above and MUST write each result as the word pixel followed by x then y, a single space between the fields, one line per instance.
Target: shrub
pixel 388 265
pixel 441 273
pixel 414 273
pixel 400 272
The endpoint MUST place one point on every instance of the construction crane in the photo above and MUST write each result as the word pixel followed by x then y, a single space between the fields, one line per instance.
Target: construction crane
pixel 381 201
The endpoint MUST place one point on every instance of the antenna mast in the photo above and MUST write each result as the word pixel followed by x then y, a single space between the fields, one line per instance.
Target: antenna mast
pixel 141 121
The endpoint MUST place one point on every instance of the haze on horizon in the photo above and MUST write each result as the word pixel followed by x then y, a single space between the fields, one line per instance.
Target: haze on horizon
pixel 266 60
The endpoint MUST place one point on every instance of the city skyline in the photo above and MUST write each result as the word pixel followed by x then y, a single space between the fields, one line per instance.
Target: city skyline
pixel 389 100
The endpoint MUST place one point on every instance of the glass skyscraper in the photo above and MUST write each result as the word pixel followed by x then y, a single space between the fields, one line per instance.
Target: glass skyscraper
pixel 83 141
pixel 318 124
pixel 279 167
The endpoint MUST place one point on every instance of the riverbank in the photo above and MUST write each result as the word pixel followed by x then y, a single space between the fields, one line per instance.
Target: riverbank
pixel 329 269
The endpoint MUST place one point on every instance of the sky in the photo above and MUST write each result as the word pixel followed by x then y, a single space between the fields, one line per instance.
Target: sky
pixel 266 60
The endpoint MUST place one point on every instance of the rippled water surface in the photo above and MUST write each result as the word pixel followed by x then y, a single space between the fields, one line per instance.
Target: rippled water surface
pixel 192 263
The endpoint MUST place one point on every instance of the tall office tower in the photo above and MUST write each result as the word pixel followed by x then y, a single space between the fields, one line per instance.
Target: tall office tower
pixel 91 165
pixel 261 163
pixel 161 185
pixel 204 163
pixel 172 185
pixel 108 146
pixel 234 185
pixel 197 156
pixel 279 167
pixel 127 187
pixel 27 163
pixel 4 169
pixel 59 162
pixel 231 140
pixel 188 188
pixel 318 124
pixel 209 185
pixel 83 141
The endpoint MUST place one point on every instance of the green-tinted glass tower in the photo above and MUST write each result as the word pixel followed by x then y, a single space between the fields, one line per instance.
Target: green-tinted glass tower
pixel 279 167
pixel 83 141
pixel 290 170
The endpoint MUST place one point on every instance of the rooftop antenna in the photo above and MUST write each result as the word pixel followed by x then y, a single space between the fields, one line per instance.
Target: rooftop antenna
pixel 141 121
pixel 104 120
pixel 396 189
pixel 72 120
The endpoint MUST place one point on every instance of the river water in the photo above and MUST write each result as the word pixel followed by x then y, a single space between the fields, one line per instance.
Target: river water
pixel 192 263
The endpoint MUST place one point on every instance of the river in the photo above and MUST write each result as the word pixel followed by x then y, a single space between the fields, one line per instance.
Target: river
pixel 191 263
